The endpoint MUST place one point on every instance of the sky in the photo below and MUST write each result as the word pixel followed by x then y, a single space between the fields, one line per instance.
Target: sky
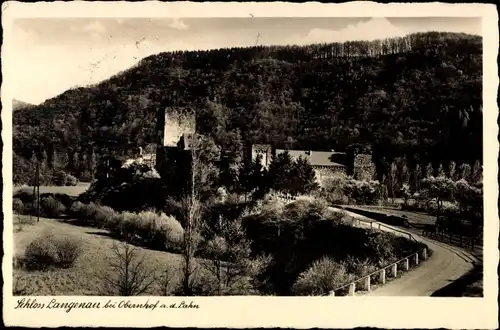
pixel 52 55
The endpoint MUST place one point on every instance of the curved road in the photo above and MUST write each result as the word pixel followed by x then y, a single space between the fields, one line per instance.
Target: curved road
pixel 447 264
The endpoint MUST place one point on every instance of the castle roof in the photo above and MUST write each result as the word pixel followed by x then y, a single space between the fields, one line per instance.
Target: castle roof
pixel 315 158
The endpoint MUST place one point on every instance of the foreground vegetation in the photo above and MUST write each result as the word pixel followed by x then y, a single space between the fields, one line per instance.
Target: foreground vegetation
pixel 260 251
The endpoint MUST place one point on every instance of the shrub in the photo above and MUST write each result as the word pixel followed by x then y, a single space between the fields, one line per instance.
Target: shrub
pixel 71 180
pixel 25 195
pixel 128 225
pixel 381 245
pixel 145 226
pixel 18 206
pixel 51 251
pixel 173 230
pixel 60 178
pixel 323 276
pixel 51 207
pixel 114 223
pixel 65 199
pixel 40 254
pixel 104 215
pixel 67 250
pixel 76 209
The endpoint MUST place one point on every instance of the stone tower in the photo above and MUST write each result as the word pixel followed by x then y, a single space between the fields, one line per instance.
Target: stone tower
pixel 362 165
pixel 173 158
pixel 263 150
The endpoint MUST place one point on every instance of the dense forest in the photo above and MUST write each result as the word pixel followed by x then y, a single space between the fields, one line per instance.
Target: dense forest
pixel 417 97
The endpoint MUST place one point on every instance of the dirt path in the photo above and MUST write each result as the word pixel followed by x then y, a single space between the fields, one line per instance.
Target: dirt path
pixel 446 265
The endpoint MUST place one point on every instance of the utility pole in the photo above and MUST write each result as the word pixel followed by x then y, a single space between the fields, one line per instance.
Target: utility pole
pixel 36 187
pixel 37 182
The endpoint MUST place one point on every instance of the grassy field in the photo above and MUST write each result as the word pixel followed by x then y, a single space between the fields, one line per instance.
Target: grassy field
pixel 68 190
pixel 84 277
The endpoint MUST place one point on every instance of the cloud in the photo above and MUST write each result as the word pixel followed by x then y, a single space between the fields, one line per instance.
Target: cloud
pixel 178 24
pixel 375 28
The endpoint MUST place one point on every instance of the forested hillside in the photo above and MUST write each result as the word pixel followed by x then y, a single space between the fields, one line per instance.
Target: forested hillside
pixel 418 96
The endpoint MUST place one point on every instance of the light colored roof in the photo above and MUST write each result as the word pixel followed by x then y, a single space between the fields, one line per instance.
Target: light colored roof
pixel 316 158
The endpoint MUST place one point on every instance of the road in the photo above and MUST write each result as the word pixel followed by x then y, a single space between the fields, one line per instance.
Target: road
pixel 447 264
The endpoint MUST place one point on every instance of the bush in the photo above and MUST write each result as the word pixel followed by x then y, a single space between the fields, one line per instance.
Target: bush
pixel 155 230
pixel 381 245
pixel 25 195
pixel 76 209
pixel 51 251
pixel 71 180
pixel 40 254
pixel 18 206
pixel 67 250
pixel 104 215
pixel 60 178
pixel 114 224
pixel 51 207
pixel 174 233
pixel 323 276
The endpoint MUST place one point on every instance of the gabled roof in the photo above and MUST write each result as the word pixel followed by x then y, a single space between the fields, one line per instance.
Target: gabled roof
pixel 315 158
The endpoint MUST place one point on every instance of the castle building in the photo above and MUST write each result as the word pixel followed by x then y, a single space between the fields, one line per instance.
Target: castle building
pixel 173 156
pixel 264 151
pixel 321 161
pixel 357 162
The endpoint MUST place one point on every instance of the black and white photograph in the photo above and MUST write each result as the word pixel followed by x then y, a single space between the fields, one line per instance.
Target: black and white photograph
pixel 247 156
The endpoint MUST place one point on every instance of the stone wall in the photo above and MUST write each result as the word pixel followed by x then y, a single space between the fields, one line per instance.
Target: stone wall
pixel 325 172
pixel 364 168
pixel 177 124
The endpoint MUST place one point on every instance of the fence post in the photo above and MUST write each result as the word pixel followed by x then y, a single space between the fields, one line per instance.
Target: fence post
pixel 394 270
pixel 352 289
pixel 332 293
pixel 368 283
pixel 382 276
pixel 424 254
pixel 416 259
pixel 407 264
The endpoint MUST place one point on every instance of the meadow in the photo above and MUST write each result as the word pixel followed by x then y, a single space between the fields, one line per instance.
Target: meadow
pixel 81 187
pixel 85 277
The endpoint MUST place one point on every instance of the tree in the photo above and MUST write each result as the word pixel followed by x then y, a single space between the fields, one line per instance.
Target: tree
pixel 129 273
pixel 441 172
pixel 281 171
pixel 470 199
pixel 192 223
pixel 205 155
pixel 465 171
pixel 405 193
pixel 429 170
pixel 417 176
pixel 230 260
pixel 392 180
pixel 452 170
pixel 304 177
pixel 363 192
pixel 437 190
pixel 477 173
pixel 75 163
pixel 405 174
pixel 92 162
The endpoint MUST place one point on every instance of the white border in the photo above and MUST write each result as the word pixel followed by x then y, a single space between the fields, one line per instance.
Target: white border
pixel 239 312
